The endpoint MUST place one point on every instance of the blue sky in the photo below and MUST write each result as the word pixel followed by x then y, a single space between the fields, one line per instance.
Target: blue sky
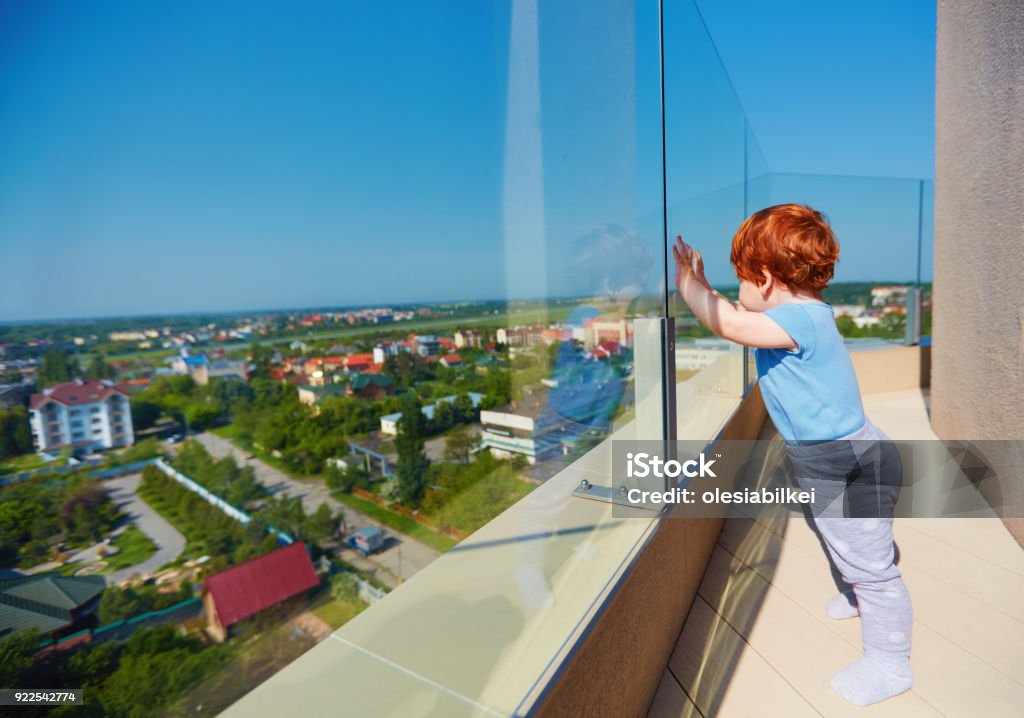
pixel 199 156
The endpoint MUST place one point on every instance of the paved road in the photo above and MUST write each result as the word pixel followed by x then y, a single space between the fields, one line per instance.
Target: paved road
pixel 413 554
pixel 169 542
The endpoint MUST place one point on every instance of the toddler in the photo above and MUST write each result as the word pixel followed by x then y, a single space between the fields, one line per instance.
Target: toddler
pixel 784 256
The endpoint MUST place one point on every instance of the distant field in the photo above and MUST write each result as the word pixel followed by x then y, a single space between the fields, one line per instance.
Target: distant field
pixel 532 316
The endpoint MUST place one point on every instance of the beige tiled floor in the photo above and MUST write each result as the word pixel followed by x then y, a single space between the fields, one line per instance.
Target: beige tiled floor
pixel 757 641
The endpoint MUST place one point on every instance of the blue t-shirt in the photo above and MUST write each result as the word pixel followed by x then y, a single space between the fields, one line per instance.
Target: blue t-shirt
pixel 811 392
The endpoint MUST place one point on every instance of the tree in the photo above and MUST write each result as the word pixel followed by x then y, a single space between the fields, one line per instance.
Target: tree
pixel 17 654
pixel 344 587
pixel 99 369
pixel 320 525
pixel 262 358
pixel 499 387
pixel 145 412
pixel 57 366
pixel 201 415
pixel 847 327
pixel 465 412
pixel 15 434
pixel 355 475
pixel 444 416
pixel 409 443
pixel 459 445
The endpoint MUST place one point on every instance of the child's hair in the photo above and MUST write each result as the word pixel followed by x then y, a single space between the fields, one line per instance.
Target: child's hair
pixel 792 241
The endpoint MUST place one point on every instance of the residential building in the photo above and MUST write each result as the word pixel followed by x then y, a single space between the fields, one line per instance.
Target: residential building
pixel 467 338
pixel 84 416
pixel 314 395
pixel 201 368
pixel 519 429
pixel 370 386
pixel 619 331
pixel 427 345
pixel 519 336
pixel 249 588
pixel 358 362
pixel 884 296
pixel 451 360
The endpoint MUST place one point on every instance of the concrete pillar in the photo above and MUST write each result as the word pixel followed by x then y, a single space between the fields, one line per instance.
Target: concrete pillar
pixel 978 353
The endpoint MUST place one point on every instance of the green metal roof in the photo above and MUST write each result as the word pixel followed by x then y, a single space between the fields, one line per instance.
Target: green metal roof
pixel 66 592
pixel 45 601
pixel 15 619
pixel 360 381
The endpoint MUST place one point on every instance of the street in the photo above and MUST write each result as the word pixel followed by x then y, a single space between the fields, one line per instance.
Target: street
pixel 169 542
pixel 413 554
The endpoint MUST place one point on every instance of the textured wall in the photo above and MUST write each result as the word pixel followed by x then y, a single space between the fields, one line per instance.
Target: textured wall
pixel 978 359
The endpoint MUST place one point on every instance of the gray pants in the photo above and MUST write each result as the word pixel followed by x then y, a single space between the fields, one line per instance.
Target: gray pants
pixel 857 480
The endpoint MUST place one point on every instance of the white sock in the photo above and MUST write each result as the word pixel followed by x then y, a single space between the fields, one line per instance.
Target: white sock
pixel 871 679
pixel 843 605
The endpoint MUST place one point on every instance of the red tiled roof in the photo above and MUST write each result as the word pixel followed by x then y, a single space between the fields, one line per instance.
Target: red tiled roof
pixel 452 359
pixel 74 393
pixel 250 587
pixel 320 361
pixel 354 359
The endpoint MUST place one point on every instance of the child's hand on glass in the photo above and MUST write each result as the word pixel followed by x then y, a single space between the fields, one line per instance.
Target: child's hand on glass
pixel 689 263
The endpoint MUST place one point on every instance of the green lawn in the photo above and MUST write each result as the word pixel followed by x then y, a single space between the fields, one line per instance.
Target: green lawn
pixel 135 547
pixel 399 523
pixel 337 613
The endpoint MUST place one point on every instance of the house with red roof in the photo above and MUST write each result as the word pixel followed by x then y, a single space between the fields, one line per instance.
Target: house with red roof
pixel 323 364
pixel 85 416
pixel 451 360
pixel 245 590
pixel 358 362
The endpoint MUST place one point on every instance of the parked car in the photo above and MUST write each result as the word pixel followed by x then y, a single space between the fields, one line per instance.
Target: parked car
pixel 367 541
pixel 175 439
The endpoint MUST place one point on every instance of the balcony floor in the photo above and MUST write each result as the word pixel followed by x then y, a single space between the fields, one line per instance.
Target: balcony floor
pixel 757 641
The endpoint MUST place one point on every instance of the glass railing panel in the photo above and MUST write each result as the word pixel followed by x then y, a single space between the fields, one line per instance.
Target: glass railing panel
pixel 453 225
pixel 879 223
pixel 926 263
pixel 715 172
